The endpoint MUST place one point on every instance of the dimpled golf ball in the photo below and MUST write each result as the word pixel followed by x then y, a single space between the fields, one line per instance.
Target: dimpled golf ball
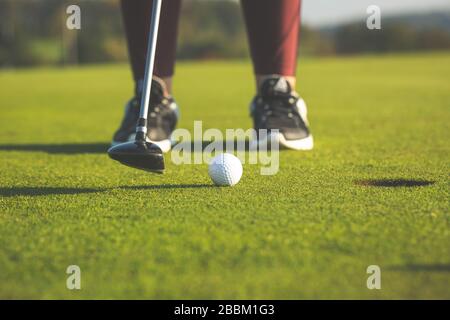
pixel 225 170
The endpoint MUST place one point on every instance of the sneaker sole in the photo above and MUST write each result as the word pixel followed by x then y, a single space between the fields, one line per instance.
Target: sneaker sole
pixel 164 145
pixel 304 144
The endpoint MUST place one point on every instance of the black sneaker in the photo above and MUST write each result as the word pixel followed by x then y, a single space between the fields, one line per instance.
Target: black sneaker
pixel 278 107
pixel 161 121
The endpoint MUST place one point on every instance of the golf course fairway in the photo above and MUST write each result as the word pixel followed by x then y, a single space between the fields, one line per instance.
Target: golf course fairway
pixel 374 191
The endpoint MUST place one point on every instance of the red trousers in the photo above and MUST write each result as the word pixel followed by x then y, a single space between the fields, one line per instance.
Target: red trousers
pixel 272 27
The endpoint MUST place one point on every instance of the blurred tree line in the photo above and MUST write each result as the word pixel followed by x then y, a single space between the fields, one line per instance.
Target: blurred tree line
pixel 33 32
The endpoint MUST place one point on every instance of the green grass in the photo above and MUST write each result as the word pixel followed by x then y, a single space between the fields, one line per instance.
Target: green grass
pixel 308 232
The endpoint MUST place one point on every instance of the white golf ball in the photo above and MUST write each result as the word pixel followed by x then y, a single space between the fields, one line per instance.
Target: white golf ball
pixel 225 170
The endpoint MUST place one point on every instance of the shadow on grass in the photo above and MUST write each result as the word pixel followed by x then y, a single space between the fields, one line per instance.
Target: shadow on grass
pixel 236 145
pixel 43 191
pixel 64 148
pixel 393 183
pixel 46 191
pixel 421 268
pixel 81 148
pixel 167 186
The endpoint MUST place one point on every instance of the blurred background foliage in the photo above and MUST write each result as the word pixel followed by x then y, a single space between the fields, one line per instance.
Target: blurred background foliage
pixel 33 32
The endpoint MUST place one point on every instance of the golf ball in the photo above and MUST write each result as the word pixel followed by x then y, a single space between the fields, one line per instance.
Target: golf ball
pixel 225 170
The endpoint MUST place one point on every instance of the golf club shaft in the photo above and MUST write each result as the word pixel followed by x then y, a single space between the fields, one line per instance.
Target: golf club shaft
pixel 141 130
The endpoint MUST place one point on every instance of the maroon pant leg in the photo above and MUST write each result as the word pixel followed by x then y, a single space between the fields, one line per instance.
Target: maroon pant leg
pixel 272 26
pixel 136 16
pixel 273 31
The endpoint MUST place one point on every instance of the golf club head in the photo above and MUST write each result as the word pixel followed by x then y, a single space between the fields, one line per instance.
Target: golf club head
pixel 140 155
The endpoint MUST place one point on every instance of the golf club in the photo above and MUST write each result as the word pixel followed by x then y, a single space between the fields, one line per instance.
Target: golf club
pixel 141 154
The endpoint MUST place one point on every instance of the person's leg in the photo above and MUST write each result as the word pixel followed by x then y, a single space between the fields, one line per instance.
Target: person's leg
pixel 136 17
pixel 163 110
pixel 273 32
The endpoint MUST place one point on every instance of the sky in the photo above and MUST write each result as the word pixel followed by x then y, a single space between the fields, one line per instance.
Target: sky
pixel 329 12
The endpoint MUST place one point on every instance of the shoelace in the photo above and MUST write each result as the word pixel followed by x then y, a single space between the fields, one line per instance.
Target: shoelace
pixel 279 107
pixel 156 109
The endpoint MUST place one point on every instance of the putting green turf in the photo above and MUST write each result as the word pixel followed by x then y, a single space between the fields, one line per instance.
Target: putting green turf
pixel 308 232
